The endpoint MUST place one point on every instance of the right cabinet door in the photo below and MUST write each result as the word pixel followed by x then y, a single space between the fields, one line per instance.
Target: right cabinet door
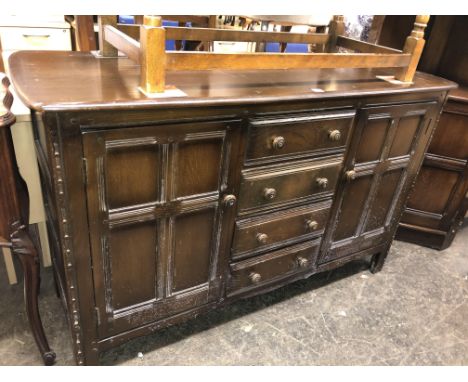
pixel 385 154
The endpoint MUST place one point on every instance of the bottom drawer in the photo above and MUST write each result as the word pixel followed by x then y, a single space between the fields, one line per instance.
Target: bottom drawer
pixel 272 266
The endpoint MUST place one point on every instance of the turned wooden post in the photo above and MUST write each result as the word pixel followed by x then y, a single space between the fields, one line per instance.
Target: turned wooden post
pixel 414 45
pixel 14 218
pixel 335 29
pixel 152 55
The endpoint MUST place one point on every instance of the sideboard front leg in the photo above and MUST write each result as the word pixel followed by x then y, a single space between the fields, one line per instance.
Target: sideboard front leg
pixel 24 249
pixel 378 261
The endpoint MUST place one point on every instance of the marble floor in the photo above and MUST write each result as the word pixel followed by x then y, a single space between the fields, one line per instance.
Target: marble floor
pixel 414 312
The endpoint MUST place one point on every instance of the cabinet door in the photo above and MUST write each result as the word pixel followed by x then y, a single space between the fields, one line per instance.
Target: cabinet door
pixel 436 206
pixel 156 219
pixel 384 156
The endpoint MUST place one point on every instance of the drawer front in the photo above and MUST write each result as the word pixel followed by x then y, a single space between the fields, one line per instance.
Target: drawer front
pixel 19 38
pixel 271 139
pixel 276 185
pixel 272 266
pixel 279 228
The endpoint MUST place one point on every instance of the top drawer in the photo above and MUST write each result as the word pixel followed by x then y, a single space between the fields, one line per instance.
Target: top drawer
pixel 272 139
pixel 21 38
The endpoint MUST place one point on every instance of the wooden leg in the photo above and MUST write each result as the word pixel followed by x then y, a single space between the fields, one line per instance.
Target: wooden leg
pixel 378 261
pixel 24 248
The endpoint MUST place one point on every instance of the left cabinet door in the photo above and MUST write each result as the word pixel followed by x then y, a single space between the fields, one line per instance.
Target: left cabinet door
pixel 157 218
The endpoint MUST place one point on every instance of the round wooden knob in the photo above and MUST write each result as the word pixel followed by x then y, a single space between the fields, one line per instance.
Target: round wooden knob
pixel 262 238
pixel 279 142
pixel 350 175
pixel 302 261
pixel 322 182
pixel 255 277
pixel 229 200
pixel 334 135
pixel 269 193
pixel 312 225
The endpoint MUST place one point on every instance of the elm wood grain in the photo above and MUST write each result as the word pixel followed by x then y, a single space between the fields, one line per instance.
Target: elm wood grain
pixel 282 184
pixel 167 215
pixel 210 34
pixel 266 232
pixel 212 123
pixel 273 139
pixel 108 84
pixel 14 219
pixel 385 158
pixel 438 204
pixel 266 268
pixel 252 61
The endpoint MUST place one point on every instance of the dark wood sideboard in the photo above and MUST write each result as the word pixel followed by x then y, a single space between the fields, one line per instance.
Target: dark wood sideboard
pixel 161 209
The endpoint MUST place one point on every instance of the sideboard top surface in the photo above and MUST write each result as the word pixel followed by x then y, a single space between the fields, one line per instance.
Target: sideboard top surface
pixel 62 80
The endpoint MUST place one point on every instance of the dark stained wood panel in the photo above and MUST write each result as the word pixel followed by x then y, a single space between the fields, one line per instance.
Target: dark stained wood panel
pixel 131 264
pixel 193 235
pixel 432 180
pixel 132 175
pixel 352 208
pixel 198 164
pixel 387 192
pixel 405 136
pixel 451 141
pixel 372 140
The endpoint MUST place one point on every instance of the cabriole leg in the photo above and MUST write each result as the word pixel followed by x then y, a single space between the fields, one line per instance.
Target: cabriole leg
pixel 24 249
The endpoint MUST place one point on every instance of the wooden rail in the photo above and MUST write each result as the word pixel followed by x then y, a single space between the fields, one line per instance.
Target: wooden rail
pixel 150 51
pixel 362 46
pixel 211 34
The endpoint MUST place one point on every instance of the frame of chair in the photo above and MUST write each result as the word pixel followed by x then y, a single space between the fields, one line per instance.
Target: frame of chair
pixel 145 44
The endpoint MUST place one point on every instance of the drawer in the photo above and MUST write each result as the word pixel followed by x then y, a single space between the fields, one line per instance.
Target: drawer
pixel 274 138
pixel 272 266
pixel 283 184
pixel 19 38
pixel 279 228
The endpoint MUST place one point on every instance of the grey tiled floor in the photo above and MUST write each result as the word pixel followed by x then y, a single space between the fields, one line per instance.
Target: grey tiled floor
pixel 414 312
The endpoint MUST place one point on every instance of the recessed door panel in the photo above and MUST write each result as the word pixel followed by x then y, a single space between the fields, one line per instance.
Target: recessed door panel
pixel 372 140
pixel 404 136
pixel 352 208
pixel 131 262
pixel 198 165
pixel 131 175
pixel 385 195
pixel 193 240
pixel 433 181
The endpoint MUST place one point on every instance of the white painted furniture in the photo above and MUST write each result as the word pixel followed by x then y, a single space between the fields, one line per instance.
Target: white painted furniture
pixel 38 33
